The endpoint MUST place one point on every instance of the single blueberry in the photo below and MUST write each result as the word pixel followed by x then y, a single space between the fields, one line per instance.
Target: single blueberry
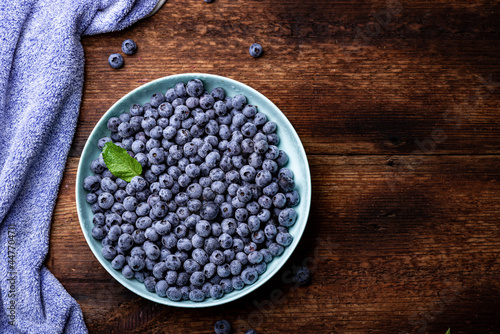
pixel 115 60
pixel 255 50
pixel 129 47
pixel 222 326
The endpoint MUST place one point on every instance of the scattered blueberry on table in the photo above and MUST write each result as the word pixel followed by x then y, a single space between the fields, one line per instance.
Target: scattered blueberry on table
pixel 250 331
pixel 115 60
pixel 255 50
pixel 222 327
pixel 302 276
pixel 191 195
pixel 129 47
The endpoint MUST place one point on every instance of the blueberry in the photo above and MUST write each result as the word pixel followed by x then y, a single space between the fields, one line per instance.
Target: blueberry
pixel 136 110
pixel 284 239
pixel 91 198
pixel 108 185
pixel 98 232
pixel 241 214
pixel 287 217
pixel 138 183
pixel 161 288
pixel 218 93
pixel 113 124
pixel 225 240
pixel 190 266
pixel 185 292
pixel 150 283
pixel 196 240
pixel 151 234
pixel 264 215
pixel 255 50
pixel 118 262
pixel 249 130
pixel 271 189
pixel 260 268
pixel 250 247
pixel 249 276
pixel 235 202
pixel 239 120
pixel 197 278
pixel 276 249
pixel 180 89
pixel 282 158
pixel 136 263
pixel 209 270
pixel 207 102
pixel 170 95
pixel 270 165
pixel 142 209
pixel 129 47
pixel 247 173
pixel 170 276
pixel 113 219
pixel 125 117
pixel 235 267
pixel 227 285
pixel 266 254
pixel 182 279
pixel 222 327
pixel 174 294
pixel 217 257
pixel 102 142
pixel 105 200
pixel 249 111
pixel 127 272
pixel 173 262
pixel 195 88
pixel 270 231
pixel 238 101
pixel 91 183
pixel 115 60
pixel 96 208
pixel 138 236
pixel 212 128
pixel 255 257
pixel 162 227
pixel 216 291
pixel 216 279
pixel 261 146
pixel 177 102
pixel 302 276
pixel 209 211
pixel 243 230
pixel 165 110
pixel 99 219
pixel 216 229
pixel 292 198
pixel 206 289
pixel 224 270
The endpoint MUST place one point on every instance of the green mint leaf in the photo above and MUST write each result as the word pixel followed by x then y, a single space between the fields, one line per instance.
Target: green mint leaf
pixel 120 163
pixel 448 331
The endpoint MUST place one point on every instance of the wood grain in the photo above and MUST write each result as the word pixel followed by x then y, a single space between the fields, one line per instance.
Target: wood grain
pixel 396 104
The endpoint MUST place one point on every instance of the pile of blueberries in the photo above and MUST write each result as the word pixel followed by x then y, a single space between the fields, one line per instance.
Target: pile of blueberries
pixel 214 202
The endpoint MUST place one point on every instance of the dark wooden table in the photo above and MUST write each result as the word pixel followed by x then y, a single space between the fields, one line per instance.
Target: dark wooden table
pixel 397 105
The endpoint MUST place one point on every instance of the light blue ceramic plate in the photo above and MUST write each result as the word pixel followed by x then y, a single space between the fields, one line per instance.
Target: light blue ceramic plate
pixel 290 143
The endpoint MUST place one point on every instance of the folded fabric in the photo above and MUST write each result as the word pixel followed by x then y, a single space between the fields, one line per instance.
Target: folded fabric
pixel 41 79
